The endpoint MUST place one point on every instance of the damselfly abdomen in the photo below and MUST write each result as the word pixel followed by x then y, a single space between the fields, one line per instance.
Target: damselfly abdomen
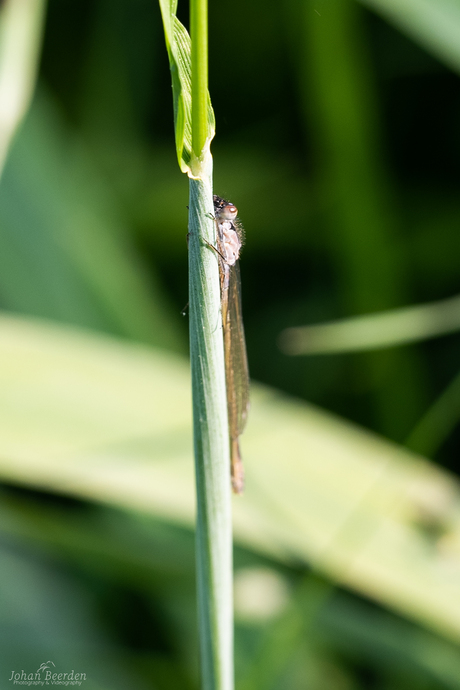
pixel 229 234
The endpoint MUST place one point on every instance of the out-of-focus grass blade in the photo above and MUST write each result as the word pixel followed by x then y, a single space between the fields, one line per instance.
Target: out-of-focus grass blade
pixel 179 52
pixel 375 331
pixel 65 252
pixel 433 23
pixel 21 28
pixel 438 422
pixel 89 416
pixel 355 193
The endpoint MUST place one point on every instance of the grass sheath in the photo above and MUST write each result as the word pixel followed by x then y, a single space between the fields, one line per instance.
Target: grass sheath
pixel 211 445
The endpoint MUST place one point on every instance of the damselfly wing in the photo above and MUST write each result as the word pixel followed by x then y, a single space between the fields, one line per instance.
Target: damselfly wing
pixel 229 242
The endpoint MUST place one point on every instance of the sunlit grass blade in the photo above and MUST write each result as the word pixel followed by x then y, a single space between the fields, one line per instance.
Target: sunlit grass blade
pixel 435 24
pixel 374 331
pixel 179 52
pixel 98 418
pixel 21 29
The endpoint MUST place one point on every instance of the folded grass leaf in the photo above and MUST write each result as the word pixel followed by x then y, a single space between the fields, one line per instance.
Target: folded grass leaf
pixel 179 52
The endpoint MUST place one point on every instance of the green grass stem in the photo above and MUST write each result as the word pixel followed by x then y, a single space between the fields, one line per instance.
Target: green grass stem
pixel 194 125
pixel 210 420
pixel 199 33
pixel 210 427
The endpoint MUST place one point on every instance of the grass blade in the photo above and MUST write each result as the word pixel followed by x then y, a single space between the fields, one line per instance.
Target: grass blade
pixel 21 28
pixel 433 23
pixel 438 422
pixel 375 331
pixel 87 415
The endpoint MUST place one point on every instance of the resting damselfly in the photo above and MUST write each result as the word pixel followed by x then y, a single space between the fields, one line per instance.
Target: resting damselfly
pixel 229 235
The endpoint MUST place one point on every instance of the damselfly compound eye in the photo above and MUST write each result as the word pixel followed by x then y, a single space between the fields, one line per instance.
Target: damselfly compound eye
pixel 229 212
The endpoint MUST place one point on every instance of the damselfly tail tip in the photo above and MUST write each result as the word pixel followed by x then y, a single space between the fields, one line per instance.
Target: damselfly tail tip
pixel 237 468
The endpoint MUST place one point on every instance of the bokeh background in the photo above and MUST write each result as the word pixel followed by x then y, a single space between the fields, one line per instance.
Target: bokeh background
pixel 338 138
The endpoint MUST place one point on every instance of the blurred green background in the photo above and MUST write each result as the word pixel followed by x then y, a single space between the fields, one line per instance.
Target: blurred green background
pixel 338 138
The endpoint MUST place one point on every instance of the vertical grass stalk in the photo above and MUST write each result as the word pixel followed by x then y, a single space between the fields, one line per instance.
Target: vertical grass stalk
pixel 210 421
pixel 195 126
pixel 199 33
pixel 212 462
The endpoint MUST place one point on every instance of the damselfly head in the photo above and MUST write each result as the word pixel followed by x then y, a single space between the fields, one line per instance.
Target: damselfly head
pixel 224 210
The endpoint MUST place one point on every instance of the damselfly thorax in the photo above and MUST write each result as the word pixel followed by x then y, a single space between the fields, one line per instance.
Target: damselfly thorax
pixel 229 236
pixel 229 231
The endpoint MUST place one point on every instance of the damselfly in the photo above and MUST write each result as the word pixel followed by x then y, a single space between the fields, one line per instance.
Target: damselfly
pixel 229 234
